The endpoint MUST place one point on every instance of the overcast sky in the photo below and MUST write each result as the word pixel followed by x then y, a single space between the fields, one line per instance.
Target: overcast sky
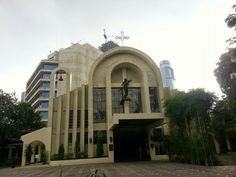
pixel 189 33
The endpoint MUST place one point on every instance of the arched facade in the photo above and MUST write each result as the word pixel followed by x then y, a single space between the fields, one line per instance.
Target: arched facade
pixel 106 77
pixel 98 115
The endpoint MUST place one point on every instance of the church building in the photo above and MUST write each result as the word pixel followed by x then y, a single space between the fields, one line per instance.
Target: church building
pixel 115 114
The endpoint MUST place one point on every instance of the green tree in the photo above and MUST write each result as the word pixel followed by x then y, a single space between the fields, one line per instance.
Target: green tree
pixel 231 22
pixel 28 153
pixel 16 118
pixel 224 73
pixel 224 116
pixel 25 119
pixel 189 115
pixel 7 102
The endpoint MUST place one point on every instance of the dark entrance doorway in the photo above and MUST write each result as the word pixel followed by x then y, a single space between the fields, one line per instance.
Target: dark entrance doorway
pixel 131 141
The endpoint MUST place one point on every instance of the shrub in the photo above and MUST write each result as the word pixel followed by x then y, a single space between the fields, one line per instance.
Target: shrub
pixel 43 156
pixel 28 153
pixel 77 149
pixel 61 152
pixel 69 156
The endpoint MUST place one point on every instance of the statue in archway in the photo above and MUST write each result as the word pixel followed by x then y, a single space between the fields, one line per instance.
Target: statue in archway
pixel 124 91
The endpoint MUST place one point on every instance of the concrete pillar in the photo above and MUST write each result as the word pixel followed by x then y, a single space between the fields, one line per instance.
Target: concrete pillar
pixel 126 107
pixel 145 95
pixel 82 118
pixel 90 121
pixel 39 154
pixel 151 145
pixel 110 141
pixel 67 112
pixel 23 155
pixel 75 112
pixel 58 125
pixel 51 96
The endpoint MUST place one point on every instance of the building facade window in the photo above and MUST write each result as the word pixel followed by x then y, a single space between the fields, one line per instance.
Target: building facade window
pixel 70 137
pixel 43 104
pixel 56 85
pixel 86 138
pixel 44 95
pixel 49 66
pixel 71 119
pixel 135 104
pixel 46 75
pixel 102 135
pixel 154 105
pixel 99 105
pixel 78 118
pixel 45 85
pixel 86 118
pixel 116 99
pixel 44 115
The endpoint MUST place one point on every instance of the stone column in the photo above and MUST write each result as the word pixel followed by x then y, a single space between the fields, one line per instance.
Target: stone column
pixel 150 143
pixel 75 112
pixel 82 118
pixel 58 124
pixel 51 96
pixel 67 112
pixel 23 159
pixel 126 107
pixel 90 121
pixel 145 95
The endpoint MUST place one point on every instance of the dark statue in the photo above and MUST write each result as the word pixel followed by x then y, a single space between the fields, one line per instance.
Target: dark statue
pixel 124 91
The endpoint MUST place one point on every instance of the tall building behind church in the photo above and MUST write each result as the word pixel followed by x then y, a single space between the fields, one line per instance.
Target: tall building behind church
pixel 77 58
pixel 167 74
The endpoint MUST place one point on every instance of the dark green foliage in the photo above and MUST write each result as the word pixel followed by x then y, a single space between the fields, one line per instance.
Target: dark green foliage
pixel 189 139
pixel 54 157
pixel 68 156
pixel 231 22
pixel 16 119
pixel 225 67
pixel 77 148
pixel 43 155
pixel 224 117
pixel 61 152
pixel 14 160
pixel 28 153
pixel 7 103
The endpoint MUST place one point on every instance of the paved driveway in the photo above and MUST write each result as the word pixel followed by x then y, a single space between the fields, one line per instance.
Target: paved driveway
pixel 129 169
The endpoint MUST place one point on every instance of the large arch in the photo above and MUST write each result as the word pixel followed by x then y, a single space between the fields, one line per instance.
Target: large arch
pixel 106 72
pixel 42 135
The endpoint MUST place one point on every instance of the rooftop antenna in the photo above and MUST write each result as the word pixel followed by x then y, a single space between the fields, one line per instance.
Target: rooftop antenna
pixel 122 37
pixel 106 36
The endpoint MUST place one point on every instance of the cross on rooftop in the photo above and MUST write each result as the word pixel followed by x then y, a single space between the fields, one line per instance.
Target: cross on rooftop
pixel 122 37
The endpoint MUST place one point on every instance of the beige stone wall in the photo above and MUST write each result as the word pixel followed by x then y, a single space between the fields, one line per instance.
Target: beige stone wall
pixel 78 59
